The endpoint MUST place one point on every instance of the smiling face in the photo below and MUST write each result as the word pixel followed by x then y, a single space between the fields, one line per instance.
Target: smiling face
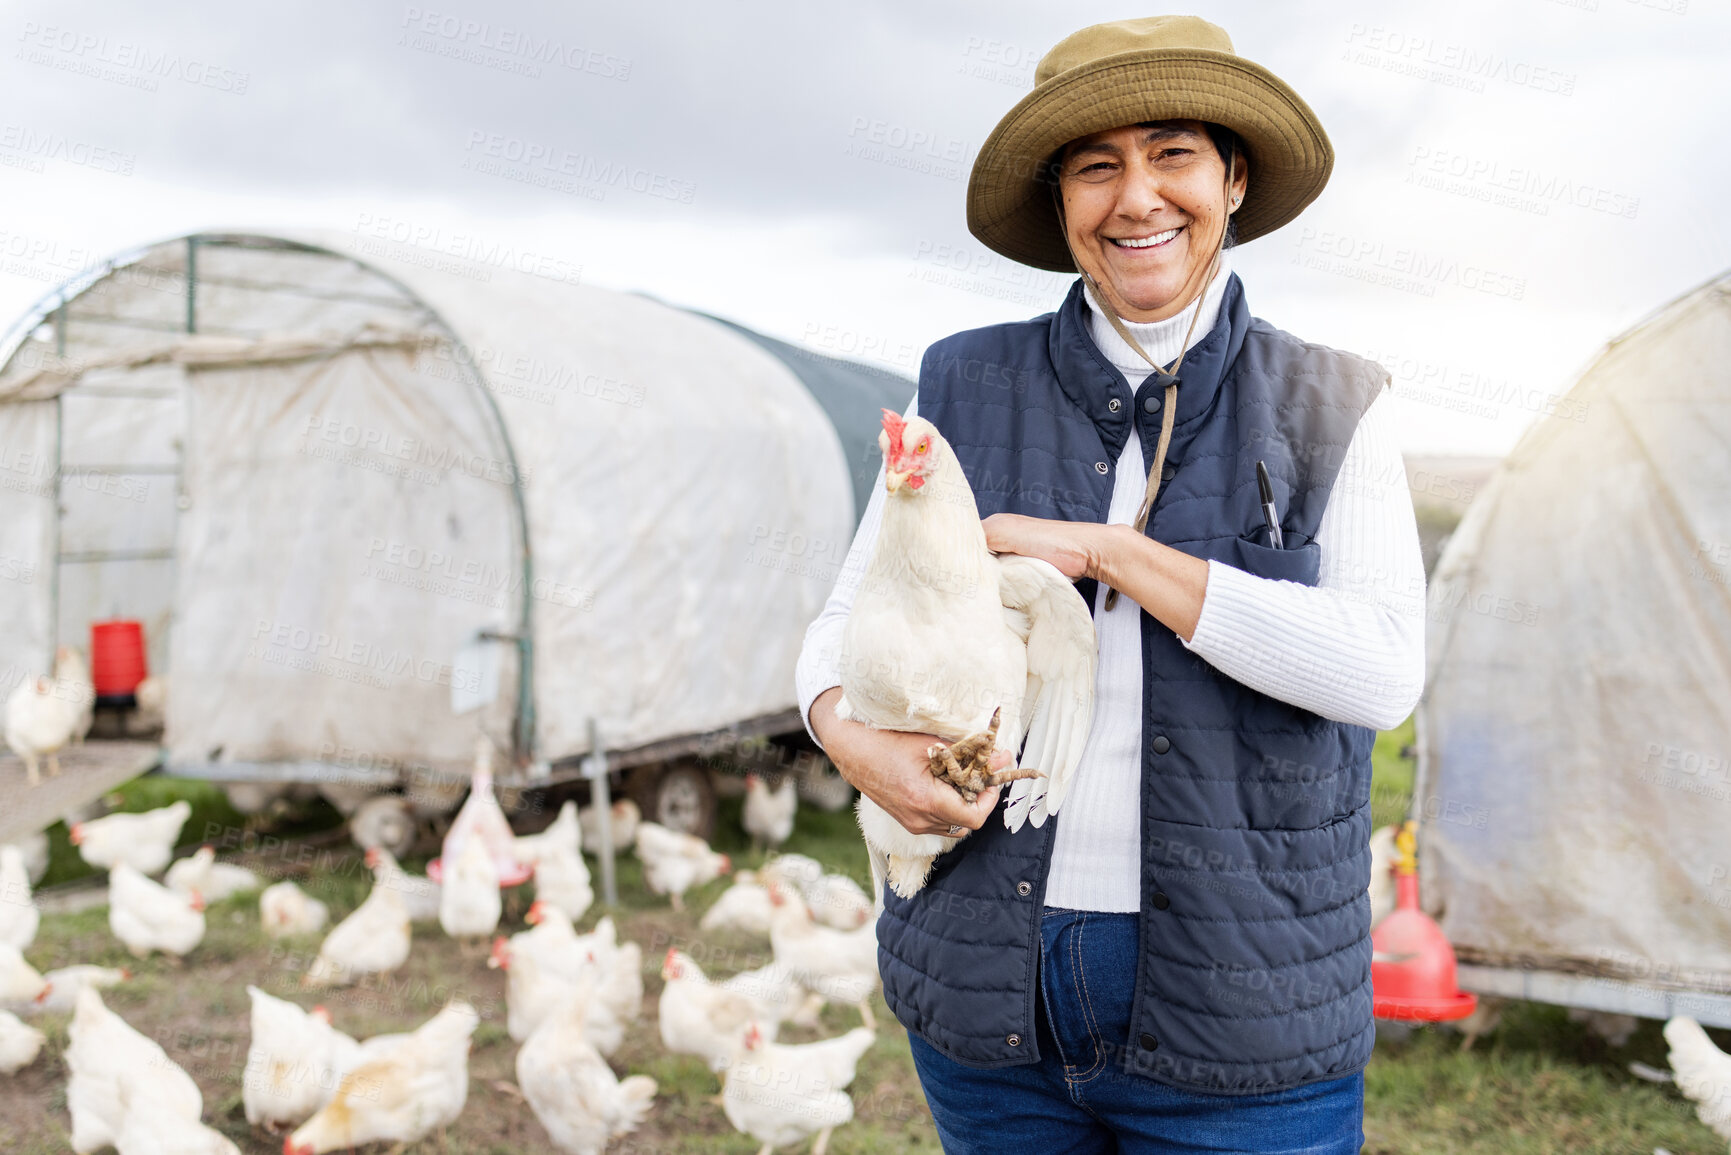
pixel 1144 210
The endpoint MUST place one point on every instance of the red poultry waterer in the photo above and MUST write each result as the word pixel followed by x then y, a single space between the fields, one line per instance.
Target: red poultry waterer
pixel 117 662
pixel 1412 969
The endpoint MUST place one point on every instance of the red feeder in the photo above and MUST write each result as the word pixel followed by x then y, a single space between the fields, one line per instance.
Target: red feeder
pixel 1412 969
pixel 116 657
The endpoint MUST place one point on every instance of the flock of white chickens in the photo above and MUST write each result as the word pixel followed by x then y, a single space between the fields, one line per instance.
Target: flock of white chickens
pixel 571 998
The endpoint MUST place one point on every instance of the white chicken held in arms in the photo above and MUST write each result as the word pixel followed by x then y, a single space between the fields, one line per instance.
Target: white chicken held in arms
pixel 947 638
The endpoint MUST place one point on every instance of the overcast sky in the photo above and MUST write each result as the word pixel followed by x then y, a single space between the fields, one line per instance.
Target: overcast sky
pixel 1516 181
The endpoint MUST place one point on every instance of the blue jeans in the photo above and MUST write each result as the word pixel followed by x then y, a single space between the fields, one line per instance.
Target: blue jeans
pixel 1077 1101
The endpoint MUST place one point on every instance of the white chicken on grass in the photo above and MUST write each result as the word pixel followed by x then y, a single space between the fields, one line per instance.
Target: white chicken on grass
pixel 1703 1073
pixel 372 940
pixel 421 896
pixel 64 983
pixel 840 965
pixel 744 906
pixel 73 674
pixel 981 650
pixel 151 1127
pixel 698 1017
pixel 21 985
pixel 213 880
pixel 143 841
pixel 18 914
pixel 147 916
pixel 19 1043
pixel 285 909
pixel 536 986
pixel 572 1090
pixel 626 817
pixel 833 899
pixel 112 1066
pixel 293 1061
pixel 779 1093
pixel 41 721
pixel 416 1086
pixel 469 900
pixel 673 863
pixel 561 875
pixel 768 815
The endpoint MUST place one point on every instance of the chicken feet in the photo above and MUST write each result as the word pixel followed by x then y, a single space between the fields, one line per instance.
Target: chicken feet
pixel 967 764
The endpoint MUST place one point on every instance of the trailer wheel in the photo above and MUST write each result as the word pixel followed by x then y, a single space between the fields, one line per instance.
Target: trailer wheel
pixel 680 797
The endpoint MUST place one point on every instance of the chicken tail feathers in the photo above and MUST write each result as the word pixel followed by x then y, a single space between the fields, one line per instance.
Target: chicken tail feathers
pixel 636 1095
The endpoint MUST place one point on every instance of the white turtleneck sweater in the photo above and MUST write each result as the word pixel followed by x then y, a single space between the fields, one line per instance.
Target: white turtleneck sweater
pixel 1350 648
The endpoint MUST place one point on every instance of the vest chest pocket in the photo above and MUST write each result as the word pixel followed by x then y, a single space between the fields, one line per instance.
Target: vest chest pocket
pixel 1300 561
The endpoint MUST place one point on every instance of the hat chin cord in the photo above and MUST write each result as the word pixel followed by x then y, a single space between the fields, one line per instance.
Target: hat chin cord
pixel 1167 377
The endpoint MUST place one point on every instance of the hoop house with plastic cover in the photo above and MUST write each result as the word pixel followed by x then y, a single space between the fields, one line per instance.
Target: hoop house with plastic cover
pixel 1574 777
pixel 370 501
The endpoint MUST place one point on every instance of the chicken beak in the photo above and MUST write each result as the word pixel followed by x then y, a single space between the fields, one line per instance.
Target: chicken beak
pixel 893 480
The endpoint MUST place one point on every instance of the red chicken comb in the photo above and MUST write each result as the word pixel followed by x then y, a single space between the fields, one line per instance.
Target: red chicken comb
pixel 893 425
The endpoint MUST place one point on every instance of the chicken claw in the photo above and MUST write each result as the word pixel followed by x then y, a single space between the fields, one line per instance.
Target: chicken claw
pixel 967 764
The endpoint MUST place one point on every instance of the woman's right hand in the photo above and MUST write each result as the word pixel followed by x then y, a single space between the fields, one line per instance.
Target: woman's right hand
pixel 892 769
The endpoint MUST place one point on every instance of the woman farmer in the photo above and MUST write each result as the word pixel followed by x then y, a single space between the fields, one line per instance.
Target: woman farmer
pixel 1180 960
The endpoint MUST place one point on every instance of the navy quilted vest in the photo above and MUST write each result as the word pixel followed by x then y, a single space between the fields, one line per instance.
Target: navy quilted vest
pixel 1255 927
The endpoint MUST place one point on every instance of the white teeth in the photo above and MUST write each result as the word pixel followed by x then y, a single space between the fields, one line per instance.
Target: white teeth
pixel 1146 242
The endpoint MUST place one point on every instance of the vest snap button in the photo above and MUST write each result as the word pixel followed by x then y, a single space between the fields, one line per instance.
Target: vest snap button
pixel 1014 1040
pixel 1150 404
pixel 1024 889
pixel 1100 467
pixel 1114 405
pixel 1166 473
pixel 1161 902
pixel 1161 744
pixel 1149 1042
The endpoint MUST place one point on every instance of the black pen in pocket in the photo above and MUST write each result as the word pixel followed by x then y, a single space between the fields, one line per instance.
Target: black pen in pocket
pixel 1267 490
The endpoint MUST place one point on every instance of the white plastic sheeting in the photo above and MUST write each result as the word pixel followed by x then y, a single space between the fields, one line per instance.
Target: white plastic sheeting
pixel 1575 756
pixel 348 503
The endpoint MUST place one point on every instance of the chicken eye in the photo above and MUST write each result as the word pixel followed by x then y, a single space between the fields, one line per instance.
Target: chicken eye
pixel 921 447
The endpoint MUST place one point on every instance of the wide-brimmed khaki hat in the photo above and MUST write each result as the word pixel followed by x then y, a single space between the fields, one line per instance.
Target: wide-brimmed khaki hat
pixel 1127 72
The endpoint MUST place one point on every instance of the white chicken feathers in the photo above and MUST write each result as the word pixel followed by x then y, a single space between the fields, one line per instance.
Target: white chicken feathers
pixel 147 916
pixel 213 880
pixel 374 939
pixel 19 1043
pixel 1703 1073
pixel 943 633
pixel 284 908
pixel 768 814
pixel 674 863
pixel 111 1066
pixel 293 1061
pixel 18 914
pixel 779 1094
pixel 21 985
pixel 572 1090
pixel 144 841
pixel 561 875
pixel 401 1090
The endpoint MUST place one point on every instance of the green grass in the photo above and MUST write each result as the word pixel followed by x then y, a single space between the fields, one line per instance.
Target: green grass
pixel 1391 776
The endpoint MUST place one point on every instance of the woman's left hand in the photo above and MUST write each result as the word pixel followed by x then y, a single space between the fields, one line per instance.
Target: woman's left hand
pixel 1072 546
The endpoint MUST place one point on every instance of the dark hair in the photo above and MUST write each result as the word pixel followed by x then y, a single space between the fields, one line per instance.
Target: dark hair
pixel 1227 143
